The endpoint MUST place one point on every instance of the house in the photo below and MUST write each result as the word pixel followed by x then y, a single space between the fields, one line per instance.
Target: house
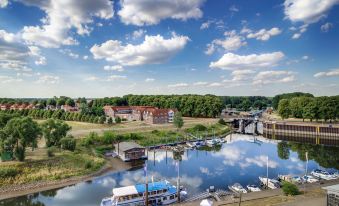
pixel 14 106
pixel 30 106
pixel 129 151
pixel 332 195
pixel 50 107
pixel 5 107
pixel 22 106
pixel 149 114
pixel 68 108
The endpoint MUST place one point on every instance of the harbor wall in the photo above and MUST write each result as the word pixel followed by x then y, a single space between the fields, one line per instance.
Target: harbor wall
pixel 308 133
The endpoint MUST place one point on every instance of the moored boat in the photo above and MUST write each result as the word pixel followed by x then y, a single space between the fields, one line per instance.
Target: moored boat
pixel 253 188
pixel 322 174
pixel 159 193
pixel 309 179
pixel 270 183
pixel 237 188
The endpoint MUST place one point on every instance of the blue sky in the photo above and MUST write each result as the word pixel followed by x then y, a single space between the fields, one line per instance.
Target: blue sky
pixel 112 48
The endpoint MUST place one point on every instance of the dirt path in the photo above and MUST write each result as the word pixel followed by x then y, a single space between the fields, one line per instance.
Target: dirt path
pixel 112 165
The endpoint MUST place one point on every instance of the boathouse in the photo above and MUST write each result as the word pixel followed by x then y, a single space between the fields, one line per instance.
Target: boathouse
pixel 129 151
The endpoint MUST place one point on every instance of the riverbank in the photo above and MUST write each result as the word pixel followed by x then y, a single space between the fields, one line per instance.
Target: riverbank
pixel 314 196
pixel 112 165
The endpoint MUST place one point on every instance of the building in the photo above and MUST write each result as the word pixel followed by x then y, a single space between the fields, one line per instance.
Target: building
pixel 149 114
pixel 332 195
pixel 68 108
pixel 14 107
pixel 5 106
pixel 129 151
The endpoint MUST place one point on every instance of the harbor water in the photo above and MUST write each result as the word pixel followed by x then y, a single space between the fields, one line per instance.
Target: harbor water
pixel 242 159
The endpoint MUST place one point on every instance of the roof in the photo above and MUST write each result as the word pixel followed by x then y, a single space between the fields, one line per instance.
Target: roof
pixel 124 146
pixel 123 191
pixel 333 188
pixel 141 188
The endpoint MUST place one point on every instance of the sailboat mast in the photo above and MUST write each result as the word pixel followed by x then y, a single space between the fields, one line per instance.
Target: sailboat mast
pixel 146 185
pixel 267 173
pixel 178 182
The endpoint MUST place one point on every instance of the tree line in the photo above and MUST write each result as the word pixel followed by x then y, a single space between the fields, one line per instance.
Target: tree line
pixel 246 103
pixel 17 133
pixel 60 114
pixel 277 98
pixel 313 108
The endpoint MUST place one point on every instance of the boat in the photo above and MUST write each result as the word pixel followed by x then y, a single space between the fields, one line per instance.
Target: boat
pixel 335 175
pixel 212 142
pixel 309 179
pixel 191 144
pixel 290 178
pixel 159 193
pixel 253 188
pixel 237 188
pixel 322 174
pixel 270 183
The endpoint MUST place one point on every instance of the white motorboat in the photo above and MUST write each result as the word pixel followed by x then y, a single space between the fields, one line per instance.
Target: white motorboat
pixel 322 174
pixel 237 188
pixel 253 188
pixel 159 193
pixel 309 179
pixel 270 183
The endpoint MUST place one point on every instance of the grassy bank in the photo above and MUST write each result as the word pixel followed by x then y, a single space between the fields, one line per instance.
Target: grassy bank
pixel 62 165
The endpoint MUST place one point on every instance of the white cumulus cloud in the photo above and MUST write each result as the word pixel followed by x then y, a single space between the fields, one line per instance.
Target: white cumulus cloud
pixel 230 43
pixel 117 68
pixel 150 12
pixel 231 61
pixel 330 73
pixel 153 50
pixel 307 11
pixel 3 3
pixel 269 77
pixel 178 85
pixel 149 80
pixel 264 34
pixel 61 17
pixel 326 27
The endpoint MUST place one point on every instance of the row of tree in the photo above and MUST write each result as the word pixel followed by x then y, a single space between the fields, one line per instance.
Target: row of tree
pixel 60 114
pixel 246 103
pixel 313 108
pixel 17 133
pixel 276 99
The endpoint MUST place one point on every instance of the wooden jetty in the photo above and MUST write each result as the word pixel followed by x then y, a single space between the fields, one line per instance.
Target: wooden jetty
pixel 218 195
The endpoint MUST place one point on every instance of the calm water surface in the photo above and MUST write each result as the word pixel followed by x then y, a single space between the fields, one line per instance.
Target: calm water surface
pixel 242 159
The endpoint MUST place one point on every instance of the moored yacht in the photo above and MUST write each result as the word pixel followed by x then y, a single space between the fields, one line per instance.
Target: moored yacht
pixel 253 188
pixel 159 193
pixel 270 183
pixel 309 179
pixel 322 174
pixel 237 188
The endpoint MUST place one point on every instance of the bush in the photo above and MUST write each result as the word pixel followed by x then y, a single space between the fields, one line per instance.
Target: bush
pixel 117 120
pixel 290 189
pixel 108 137
pixel 68 143
pixel 7 172
pixel 19 153
pixel 199 127
pixel 50 152
pixel 88 165
pixel 222 121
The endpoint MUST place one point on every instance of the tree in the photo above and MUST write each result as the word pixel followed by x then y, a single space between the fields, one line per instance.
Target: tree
pixel 53 131
pixel 51 102
pixel 18 134
pixel 117 120
pixel 110 120
pixel 284 108
pixel 311 110
pixel 70 102
pixel 102 119
pixel 178 121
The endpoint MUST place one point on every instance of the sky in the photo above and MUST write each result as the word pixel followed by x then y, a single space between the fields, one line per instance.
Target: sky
pixel 112 48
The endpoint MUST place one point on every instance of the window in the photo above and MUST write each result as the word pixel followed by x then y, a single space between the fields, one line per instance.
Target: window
pixel 171 197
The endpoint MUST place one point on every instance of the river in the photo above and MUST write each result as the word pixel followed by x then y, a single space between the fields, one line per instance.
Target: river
pixel 241 159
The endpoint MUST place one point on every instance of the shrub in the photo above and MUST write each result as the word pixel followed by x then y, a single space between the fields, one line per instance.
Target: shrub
pixel 88 165
pixel 222 121
pixel 117 120
pixel 199 127
pixel 290 189
pixel 108 137
pixel 50 152
pixel 7 172
pixel 68 143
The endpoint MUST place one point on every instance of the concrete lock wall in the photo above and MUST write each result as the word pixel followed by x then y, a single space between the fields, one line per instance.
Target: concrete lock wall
pixel 316 134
